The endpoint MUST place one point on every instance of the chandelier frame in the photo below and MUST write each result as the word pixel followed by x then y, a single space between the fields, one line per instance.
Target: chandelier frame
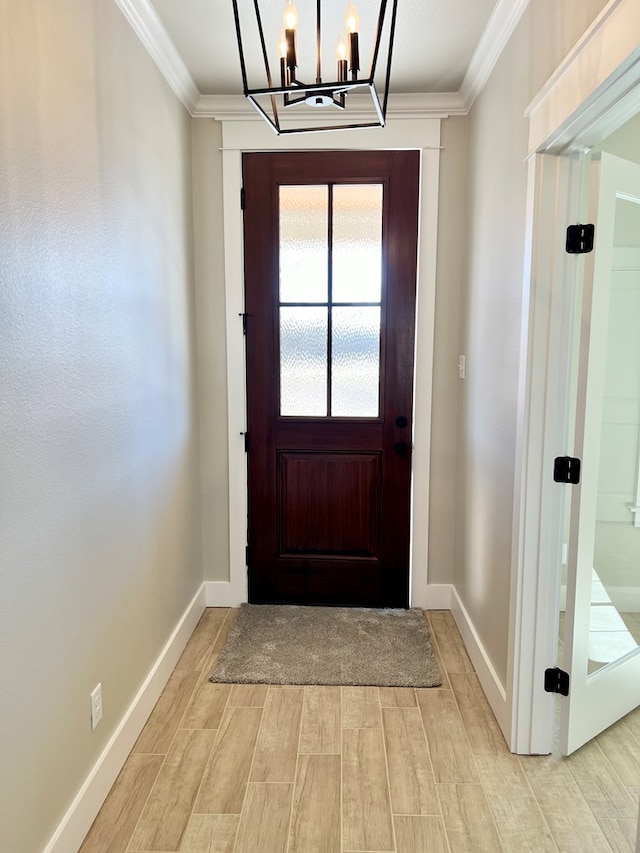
pixel 333 93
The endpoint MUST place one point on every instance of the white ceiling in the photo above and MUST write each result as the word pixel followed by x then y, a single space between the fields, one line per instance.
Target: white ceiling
pixel 435 40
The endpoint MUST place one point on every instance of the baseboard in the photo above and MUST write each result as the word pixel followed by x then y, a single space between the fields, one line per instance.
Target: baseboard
pixel 86 805
pixel 491 684
pixel 225 594
pixel 625 598
pixel 438 596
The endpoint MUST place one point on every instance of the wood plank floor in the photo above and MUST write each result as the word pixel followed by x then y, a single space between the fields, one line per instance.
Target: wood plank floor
pixel 256 769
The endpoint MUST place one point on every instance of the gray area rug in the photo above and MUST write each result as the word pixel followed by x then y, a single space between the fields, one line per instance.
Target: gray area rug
pixel 282 644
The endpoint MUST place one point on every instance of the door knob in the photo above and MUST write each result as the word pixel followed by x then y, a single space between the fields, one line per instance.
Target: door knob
pixel 401 448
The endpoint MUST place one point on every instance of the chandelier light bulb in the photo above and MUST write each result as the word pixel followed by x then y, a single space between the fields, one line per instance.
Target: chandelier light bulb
pixel 352 19
pixel 282 45
pixel 341 48
pixel 290 15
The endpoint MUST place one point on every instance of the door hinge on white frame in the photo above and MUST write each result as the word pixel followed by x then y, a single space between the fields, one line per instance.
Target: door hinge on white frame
pixel 556 680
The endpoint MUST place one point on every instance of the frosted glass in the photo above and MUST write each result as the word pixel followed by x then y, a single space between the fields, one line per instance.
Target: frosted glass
pixel 304 217
pixel 355 362
pixel 357 243
pixel 303 361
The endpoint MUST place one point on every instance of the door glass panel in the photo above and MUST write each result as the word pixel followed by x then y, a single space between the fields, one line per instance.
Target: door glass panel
pixel 614 627
pixel 330 351
pixel 304 252
pixel 303 361
pixel 355 362
pixel 357 243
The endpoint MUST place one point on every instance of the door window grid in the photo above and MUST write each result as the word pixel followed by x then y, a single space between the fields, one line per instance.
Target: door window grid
pixel 330 349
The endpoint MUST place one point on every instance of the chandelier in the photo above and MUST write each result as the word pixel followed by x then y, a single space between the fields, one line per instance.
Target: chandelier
pixel 287 94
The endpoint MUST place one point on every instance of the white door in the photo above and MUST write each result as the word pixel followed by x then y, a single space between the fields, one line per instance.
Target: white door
pixel 602 627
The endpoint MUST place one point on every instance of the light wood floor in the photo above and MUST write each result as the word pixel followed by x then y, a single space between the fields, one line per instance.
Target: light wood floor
pixel 251 769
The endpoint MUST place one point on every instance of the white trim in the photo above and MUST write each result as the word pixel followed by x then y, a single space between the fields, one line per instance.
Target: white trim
pixel 151 31
pixel 225 594
pixel 492 686
pixel 626 599
pixel 496 34
pixel 602 69
pixel 238 136
pixel 83 810
pixel 401 106
pixel 537 499
pixel 438 596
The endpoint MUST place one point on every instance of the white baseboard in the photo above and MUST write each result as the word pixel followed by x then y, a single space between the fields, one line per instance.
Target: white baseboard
pixel 625 598
pixel 491 684
pixel 225 594
pixel 438 596
pixel 76 823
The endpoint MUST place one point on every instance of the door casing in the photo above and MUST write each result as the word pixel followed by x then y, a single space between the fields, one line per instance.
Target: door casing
pixel 241 136
pixel 564 120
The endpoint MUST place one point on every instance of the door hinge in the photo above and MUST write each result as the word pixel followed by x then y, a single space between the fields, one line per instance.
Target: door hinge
pixel 580 239
pixel 566 469
pixel 556 680
pixel 244 323
pixel 242 198
pixel 246 441
pixel 247 555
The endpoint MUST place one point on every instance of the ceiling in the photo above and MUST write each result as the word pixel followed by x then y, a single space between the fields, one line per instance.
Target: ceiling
pixel 434 45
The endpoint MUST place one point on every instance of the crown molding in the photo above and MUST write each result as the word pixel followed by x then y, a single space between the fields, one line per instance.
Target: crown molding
pixel 493 40
pixel 408 106
pixel 150 30
pixel 147 25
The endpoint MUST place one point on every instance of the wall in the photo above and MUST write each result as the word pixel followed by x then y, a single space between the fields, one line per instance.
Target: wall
pixel 446 385
pixel 492 309
pixel 212 343
pixel 100 510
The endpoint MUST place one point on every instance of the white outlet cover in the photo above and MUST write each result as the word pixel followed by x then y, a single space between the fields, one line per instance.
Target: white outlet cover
pixel 96 705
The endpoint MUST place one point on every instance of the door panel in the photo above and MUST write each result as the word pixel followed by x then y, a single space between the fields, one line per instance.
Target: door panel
pixel 330 274
pixel 601 650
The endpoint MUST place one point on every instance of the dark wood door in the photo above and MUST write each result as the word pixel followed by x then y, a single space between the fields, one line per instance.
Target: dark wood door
pixel 330 277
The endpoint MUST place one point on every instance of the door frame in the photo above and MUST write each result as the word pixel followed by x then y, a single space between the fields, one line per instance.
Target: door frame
pixel 238 137
pixel 593 91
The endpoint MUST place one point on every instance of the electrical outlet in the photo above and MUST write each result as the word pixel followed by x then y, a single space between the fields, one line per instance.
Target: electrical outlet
pixel 462 367
pixel 96 705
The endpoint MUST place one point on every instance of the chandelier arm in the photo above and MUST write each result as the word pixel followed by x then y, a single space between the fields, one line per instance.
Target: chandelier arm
pixel 376 47
pixel 318 42
pixel 265 56
pixel 388 75
pixel 274 124
pixel 287 131
pixel 243 67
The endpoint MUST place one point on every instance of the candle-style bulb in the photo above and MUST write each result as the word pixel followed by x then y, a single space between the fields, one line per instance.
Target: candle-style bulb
pixel 290 15
pixel 352 19
pixel 341 47
pixel 282 45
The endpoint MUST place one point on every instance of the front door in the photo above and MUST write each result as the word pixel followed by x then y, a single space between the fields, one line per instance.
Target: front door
pixel 330 277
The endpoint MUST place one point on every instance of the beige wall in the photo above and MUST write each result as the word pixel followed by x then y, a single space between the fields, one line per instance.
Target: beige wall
pixel 492 306
pixel 446 385
pixel 99 489
pixel 212 343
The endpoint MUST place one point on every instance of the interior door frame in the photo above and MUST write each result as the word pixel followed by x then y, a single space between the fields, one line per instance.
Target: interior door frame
pixel 593 92
pixel 238 137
